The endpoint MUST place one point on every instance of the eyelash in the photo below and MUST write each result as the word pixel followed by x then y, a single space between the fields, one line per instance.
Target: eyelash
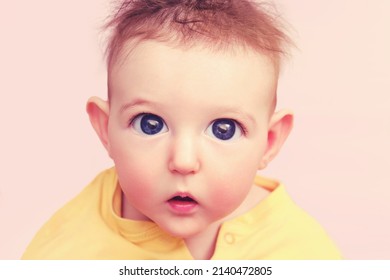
pixel 132 119
pixel 243 128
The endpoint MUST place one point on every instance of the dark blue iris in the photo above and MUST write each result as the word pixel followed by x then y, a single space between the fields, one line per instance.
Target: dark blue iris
pixel 224 129
pixel 151 124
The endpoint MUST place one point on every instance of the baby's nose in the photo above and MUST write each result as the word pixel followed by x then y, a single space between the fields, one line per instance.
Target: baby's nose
pixel 184 156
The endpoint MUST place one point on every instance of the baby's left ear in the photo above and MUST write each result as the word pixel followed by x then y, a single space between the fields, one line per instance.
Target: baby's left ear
pixel 280 126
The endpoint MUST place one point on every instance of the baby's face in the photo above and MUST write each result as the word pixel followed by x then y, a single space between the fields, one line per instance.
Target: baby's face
pixel 187 131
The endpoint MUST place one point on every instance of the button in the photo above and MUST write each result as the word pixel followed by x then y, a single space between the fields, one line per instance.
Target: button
pixel 229 238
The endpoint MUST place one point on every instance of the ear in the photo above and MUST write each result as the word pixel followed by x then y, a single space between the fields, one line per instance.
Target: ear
pixel 99 111
pixel 280 126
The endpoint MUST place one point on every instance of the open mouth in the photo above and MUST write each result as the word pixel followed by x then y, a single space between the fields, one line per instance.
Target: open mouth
pixel 182 204
pixel 182 199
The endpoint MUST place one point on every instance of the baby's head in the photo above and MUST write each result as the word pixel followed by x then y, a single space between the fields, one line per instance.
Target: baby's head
pixel 190 116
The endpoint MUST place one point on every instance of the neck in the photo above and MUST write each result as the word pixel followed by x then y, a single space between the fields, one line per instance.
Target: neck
pixel 202 245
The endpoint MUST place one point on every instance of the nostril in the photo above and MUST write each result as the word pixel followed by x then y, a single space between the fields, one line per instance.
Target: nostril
pixel 184 166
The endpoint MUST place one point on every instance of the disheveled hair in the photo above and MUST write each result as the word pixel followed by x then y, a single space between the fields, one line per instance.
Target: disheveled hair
pixel 217 24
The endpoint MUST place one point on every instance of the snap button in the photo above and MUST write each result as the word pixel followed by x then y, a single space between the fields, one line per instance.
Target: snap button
pixel 229 238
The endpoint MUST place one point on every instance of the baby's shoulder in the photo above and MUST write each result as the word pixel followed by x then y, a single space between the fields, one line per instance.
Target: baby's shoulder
pixel 73 226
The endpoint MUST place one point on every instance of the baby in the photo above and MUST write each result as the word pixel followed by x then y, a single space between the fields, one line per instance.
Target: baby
pixel 190 119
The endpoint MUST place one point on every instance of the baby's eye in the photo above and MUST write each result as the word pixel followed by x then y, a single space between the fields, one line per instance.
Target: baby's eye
pixel 224 129
pixel 149 124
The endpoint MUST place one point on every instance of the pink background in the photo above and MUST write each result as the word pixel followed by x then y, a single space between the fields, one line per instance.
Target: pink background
pixel 336 163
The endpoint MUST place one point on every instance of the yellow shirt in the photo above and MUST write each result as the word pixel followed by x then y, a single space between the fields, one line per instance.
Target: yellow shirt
pixel 89 227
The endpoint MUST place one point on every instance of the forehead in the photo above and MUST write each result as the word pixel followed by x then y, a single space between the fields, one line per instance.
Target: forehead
pixel 138 47
pixel 150 65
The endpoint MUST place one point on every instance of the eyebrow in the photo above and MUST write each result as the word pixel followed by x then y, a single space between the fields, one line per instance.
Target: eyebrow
pixel 238 111
pixel 136 102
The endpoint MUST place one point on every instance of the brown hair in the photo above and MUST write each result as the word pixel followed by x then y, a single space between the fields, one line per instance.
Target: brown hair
pixel 218 24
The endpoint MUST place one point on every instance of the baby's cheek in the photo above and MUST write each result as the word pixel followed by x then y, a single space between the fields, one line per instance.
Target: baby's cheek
pixel 226 198
pixel 230 191
pixel 135 180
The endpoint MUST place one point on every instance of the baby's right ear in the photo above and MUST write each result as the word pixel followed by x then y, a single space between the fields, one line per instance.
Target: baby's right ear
pixel 99 111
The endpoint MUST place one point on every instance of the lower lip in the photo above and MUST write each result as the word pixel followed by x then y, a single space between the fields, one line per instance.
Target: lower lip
pixel 182 207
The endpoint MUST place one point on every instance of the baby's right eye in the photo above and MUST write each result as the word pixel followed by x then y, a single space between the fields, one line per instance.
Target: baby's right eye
pixel 149 124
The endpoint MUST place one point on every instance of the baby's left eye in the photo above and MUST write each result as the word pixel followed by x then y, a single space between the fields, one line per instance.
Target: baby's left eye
pixel 224 129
